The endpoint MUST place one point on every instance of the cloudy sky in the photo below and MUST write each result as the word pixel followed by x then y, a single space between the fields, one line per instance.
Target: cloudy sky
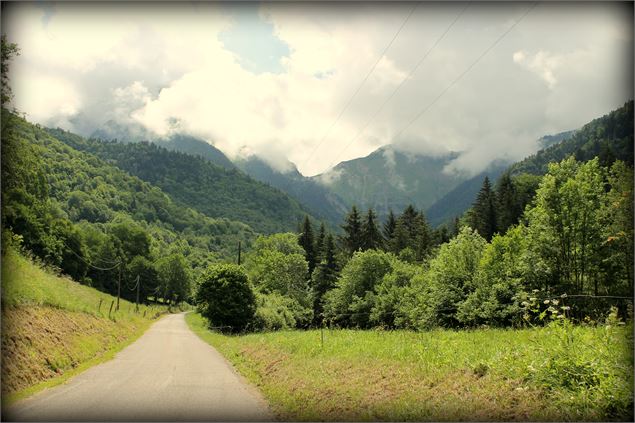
pixel 294 81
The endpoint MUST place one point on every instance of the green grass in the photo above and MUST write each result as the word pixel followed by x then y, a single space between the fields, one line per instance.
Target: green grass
pixel 554 373
pixel 54 328
pixel 24 283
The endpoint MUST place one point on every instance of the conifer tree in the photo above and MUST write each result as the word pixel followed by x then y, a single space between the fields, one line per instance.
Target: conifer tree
pixel 306 241
pixel 423 241
pixel 371 237
pixel 319 243
pixel 323 278
pixel 353 231
pixel 388 231
pixel 482 216
pixel 507 205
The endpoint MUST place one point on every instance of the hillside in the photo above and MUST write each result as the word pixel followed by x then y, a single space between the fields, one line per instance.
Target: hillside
pixel 456 202
pixel 195 182
pixel 609 137
pixel 390 179
pixel 73 209
pixel 53 327
pixel 323 203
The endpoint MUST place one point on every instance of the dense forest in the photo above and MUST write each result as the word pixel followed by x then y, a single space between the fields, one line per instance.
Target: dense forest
pixel 197 183
pixel 85 216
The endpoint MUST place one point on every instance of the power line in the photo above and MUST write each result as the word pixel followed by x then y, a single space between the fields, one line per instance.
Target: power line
pixel 406 78
pixel 350 100
pixel 89 264
pixel 469 68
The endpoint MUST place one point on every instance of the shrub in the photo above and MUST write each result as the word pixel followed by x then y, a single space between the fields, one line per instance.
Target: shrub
pixel 225 298
pixel 275 311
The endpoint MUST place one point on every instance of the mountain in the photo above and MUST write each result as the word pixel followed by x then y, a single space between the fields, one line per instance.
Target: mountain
pixel 323 203
pixel 456 202
pixel 134 132
pixel 50 188
pixel 609 137
pixel 391 179
pixel 197 183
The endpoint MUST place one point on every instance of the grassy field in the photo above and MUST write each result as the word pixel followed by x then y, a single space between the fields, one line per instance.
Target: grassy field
pixel 561 372
pixel 53 327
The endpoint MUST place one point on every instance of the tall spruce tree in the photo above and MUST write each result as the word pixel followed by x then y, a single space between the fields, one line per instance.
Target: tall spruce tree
pixel 306 241
pixel 319 243
pixel 323 278
pixel 507 205
pixel 423 241
pixel 482 216
pixel 388 231
pixel 352 231
pixel 371 237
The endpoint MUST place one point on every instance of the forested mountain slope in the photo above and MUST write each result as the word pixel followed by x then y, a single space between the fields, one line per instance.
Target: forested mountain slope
pixel 390 179
pixel 322 202
pixel 197 183
pixel 79 213
pixel 609 137
pixel 457 201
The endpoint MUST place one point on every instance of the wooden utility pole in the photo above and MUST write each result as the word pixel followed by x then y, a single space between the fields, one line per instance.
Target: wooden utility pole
pixel 239 253
pixel 138 287
pixel 119 287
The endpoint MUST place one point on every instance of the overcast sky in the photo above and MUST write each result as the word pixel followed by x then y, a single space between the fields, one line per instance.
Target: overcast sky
pixel 277 80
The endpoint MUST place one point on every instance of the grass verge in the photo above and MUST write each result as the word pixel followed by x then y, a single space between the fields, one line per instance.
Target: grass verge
pixel 54 328
pixel 544 374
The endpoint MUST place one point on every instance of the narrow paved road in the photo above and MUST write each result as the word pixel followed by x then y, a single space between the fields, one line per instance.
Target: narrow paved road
pixel 168 374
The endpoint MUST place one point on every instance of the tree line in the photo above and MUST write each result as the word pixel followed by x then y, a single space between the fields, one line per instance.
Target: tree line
pixel 573 239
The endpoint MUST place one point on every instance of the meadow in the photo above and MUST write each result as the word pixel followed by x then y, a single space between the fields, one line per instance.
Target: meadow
pixel 53 327
pixel 557 372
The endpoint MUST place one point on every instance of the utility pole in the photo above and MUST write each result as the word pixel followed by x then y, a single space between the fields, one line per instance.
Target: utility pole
pixel 119 287
pixel 239 253
pixel 138 287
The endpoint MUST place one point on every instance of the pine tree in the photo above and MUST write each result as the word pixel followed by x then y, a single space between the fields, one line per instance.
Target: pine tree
pixel 389 231
pixel 423 240
pixel 353 231
pixel 482 216
pixel 323 278
pixel 371 237
pixel 306 241
pixel 319 243
pixel 507 205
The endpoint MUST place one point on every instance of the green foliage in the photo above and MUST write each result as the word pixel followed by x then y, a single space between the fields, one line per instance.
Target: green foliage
pixel 482 216
pixel 451 278
pixel 225 298
pixel 174 278
pixel 352 299
pixel 9 50
pixel 276 312
pixel 371 238
pixel 197 183
pixel 307 243
pixel 352 239
pixel 391 291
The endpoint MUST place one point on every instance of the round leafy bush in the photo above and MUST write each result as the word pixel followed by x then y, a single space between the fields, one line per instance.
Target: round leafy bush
pixel 225 298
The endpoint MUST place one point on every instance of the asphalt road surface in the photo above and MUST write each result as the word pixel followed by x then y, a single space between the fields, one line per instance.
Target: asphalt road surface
pixel 168 374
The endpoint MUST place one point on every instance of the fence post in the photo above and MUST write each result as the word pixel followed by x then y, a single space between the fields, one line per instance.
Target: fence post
pixel 110 311
pixel 99 306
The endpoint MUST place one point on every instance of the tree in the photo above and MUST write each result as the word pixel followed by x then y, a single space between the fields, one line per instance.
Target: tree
pixel 566 225
pixel 353 297
pixel 307 242
pixel 9 50
pixel 388 231
pixel 508 209
pixel 451 278
pixel 352 231
pixel 319 243
pixel 323 279
pixel 482 216
pixel 225 298
pixel 174 278
pixel 371 237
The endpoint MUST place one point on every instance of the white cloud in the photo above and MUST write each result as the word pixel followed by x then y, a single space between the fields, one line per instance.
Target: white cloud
pixel 563 65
